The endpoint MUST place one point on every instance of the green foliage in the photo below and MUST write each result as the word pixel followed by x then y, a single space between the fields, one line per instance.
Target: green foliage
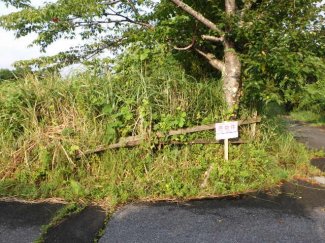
pixel 319 153
pixel 285 52
pixel 46 122
pixel 314 97
pixel 317 119
pixel 65 212
pixel 11 75
pixel 17 3
pixel 311 104
pixel 6 74
pixel 280 43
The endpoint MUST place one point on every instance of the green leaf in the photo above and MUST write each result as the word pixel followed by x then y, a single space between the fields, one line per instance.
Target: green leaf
pixel 67 131
pixel 107 109
pixel 74 148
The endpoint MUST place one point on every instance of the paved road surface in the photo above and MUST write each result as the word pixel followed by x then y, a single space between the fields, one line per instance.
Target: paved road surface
pixel 81 228
pixel 21 223
pixel 296 215
pixel 314 137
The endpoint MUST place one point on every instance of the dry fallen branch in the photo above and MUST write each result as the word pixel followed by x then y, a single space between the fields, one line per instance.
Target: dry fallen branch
pixel 137 140
pixel 207 176
pixel 67 155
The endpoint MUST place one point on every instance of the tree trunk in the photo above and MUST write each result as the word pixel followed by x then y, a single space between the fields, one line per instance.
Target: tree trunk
pixel 230 66
pixel 232 74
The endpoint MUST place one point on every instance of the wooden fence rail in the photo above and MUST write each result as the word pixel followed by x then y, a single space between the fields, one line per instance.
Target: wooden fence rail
pixel 133 141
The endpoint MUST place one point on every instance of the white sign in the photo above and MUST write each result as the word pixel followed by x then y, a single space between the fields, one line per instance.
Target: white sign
pixel 226 130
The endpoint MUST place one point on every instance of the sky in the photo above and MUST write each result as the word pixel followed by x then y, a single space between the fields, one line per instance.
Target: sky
pixel 12 49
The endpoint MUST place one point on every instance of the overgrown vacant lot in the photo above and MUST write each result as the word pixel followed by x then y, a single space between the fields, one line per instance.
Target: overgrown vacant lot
pixel 172 64
pixel 47 121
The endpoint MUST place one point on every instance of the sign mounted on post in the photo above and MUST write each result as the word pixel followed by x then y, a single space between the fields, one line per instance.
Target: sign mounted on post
pixel 227 130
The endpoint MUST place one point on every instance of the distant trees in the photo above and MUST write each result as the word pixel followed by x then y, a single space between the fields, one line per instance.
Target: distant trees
pixel 7 74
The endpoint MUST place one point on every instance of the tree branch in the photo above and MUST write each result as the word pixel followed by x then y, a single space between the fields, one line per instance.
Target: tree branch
pixel 133 7
pixel 190 45
pixel 242 13
pixel 246 7
pixel 84 24
pixel 196 15
pixel 100 49
pixel 213 38
pixel 184 48
pixel 230 7
pixel 216 63
pixel 113 2
pixel 149 26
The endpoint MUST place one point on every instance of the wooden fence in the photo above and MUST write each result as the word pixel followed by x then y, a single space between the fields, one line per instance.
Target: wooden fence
pixel 137 140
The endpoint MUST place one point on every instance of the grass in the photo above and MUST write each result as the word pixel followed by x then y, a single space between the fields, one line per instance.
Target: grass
pixel 61 215
pixel 319 153
pixel 172 173
pixel 309 116
pixel 45 121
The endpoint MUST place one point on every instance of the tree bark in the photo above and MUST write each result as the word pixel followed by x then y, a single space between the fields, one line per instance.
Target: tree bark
pixel 232 74
pixel 230 66
pixel 214 62
pixel 197 15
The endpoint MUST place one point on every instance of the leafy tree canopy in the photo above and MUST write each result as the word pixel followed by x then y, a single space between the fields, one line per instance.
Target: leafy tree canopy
pixel 264 50
pixel 17 3
pixel 6 74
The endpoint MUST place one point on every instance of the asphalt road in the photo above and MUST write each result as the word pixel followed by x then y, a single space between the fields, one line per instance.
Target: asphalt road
pixel 296 214
pixel 314 137
pixel 80 228
pixel 22 222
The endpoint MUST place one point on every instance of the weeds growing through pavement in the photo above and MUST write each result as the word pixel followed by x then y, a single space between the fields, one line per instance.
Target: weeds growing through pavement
pixel 62 214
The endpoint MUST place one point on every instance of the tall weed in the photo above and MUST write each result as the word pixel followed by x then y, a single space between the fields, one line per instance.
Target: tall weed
pixel 45 122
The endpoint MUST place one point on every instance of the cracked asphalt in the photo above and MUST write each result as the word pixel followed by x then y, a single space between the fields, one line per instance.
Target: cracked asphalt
pixel 22 222
pixel 314 137
pixel 295 213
